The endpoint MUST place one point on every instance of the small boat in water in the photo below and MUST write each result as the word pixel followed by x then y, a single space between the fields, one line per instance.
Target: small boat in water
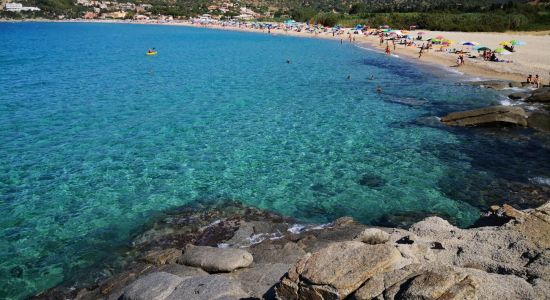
pixel 151 53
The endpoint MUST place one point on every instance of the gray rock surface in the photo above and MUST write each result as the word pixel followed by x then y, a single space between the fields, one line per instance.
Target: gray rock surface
pixel 182 271
pixel 213 259
pixel 487 116
pixel 211 287
pixel 337 270
pixel 155 286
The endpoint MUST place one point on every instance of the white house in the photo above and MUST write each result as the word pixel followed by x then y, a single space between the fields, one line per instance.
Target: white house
pixel 18 7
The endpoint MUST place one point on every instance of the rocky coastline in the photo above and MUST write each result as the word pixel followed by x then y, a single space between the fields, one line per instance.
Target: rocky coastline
pixel 532 109
pixel 243 253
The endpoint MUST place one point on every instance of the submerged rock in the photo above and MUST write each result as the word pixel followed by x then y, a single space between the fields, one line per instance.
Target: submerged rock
pixel 372 181
pixel 413 102
pixel 213 259
pixel 487 116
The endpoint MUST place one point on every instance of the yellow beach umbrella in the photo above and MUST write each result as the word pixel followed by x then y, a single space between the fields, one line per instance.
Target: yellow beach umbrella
pixel 505 43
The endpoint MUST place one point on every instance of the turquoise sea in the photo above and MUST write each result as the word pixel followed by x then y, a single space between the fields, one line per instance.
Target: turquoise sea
pixel 95 137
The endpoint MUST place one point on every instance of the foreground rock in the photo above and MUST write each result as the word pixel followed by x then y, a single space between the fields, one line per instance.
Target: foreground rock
pixel 434 260
pixel 337 270
pixel 213 259
pixel 164 286
pixel 509 259
pixel 487 116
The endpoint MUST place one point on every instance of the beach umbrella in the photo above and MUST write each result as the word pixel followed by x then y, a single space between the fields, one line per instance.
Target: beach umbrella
pixel 517 43
pixel 447 41
pixel 439 37
pixel 469 43
pixel 420 33
pixel 482 48
pixel 505 43
pixel 502 51
pixel 435 40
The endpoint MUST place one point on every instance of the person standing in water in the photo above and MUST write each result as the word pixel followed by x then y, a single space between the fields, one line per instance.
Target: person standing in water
pixel 388 51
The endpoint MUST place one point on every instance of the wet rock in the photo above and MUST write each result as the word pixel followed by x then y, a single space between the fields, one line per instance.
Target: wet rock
pixel 213 259
pixel 373 236
pixel 487 116
pixel 539 121
pixel 372 181
pixel 519 96
pixel 540 95
pixel 155 286
pixel 492 84
pixel 161 257
pixel 211 287
pixel 337 270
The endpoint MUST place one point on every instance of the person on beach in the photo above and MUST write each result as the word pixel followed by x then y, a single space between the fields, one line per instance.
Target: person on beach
pixel 529 79
pixel 393 42
pixel 421 51
pixel 536 81
pixel 388 51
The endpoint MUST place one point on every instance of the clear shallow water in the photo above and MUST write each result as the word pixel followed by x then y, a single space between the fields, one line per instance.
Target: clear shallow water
pixel 95 137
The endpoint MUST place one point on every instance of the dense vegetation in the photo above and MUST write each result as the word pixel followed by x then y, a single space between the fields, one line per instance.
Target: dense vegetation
pixel 460 15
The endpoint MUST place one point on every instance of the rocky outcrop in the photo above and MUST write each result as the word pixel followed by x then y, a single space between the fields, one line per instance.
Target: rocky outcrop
pixel 487 116
pixel 540 95
pixel 433 259
pixel 213 259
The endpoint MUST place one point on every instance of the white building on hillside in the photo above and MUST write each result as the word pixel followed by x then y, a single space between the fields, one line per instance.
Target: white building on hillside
pixel 18 7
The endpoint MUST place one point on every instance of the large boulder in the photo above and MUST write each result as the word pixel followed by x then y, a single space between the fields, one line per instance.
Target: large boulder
pixel 336 271
pixel 540 95
pixel 487 116
pixel 539 121
pixel 214 259
pixel 155 286
pixel 211 287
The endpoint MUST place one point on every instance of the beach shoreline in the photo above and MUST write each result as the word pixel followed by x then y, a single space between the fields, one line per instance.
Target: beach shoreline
pixel 533 62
